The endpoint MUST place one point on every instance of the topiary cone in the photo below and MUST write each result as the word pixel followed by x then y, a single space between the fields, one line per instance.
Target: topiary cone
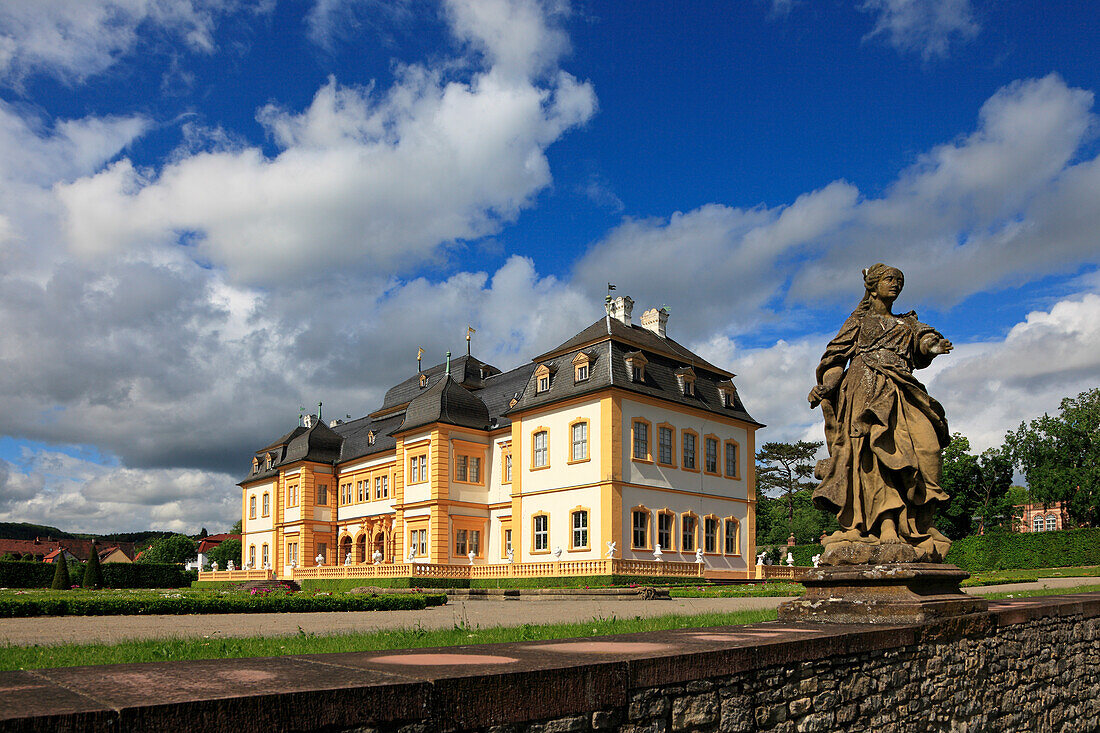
pixel 93 574
pixel 61 573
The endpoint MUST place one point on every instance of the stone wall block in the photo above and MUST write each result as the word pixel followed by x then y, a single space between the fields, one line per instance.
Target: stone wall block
pixel 695 712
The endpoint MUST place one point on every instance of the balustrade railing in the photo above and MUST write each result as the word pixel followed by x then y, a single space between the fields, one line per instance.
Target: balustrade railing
pixel 551 569
pixel 236 576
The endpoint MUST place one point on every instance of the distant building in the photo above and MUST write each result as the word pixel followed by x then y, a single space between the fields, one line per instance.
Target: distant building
pixel 39 548
pixel 619 437
pixel 206 544
pixel 1042 517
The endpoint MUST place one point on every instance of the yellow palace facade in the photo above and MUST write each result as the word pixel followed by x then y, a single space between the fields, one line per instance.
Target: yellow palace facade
pixel 618 444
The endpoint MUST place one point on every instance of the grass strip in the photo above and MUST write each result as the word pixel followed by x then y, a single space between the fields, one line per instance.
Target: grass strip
pixel 162 650
pixel 766 590
pixel 1000 577
pixel 96 603
pixel 994 595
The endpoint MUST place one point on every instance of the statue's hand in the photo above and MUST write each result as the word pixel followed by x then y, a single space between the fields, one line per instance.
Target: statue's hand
pixel 943 346
pixel 816 395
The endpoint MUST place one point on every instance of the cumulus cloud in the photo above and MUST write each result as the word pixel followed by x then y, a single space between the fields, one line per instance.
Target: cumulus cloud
pixel 365 179
pixel 928 28
pixel 72 40
pixel 75 494
pixel 1011 201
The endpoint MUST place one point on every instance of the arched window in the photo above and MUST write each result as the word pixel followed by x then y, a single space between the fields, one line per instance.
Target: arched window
pixel 1052 523
pixel 1037 523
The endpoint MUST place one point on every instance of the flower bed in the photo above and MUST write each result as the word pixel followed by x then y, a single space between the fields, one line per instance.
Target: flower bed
pixel 108 603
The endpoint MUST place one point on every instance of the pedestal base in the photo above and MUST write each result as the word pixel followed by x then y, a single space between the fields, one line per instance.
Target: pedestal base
pixel 898 593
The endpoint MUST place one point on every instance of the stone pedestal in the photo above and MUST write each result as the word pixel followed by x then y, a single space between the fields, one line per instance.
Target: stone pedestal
pixel 896 593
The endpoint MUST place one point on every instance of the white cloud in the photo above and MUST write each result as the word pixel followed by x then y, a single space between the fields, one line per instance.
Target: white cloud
pixel 74 39
pixel 74 494
pixel 925 27
pixel 366 181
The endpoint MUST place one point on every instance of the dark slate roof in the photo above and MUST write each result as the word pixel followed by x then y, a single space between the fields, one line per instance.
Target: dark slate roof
pixel 282 442
pixel 608 368
pixel 466 370
pixel 356 436
pixel 501 388
pixel 446 402
pixel 319 443
pixel 641 338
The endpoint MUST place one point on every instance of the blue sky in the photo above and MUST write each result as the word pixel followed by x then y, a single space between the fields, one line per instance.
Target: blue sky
pixel 212 211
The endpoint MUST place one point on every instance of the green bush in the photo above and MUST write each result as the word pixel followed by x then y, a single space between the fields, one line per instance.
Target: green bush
pixel 93 575
pixel 146 575
pixel 100 604
pixel 61 580
pixel 19 574
pixel 998 550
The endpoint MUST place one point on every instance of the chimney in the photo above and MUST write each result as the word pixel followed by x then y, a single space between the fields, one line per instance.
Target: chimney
pixel 619 309
pixel 655 320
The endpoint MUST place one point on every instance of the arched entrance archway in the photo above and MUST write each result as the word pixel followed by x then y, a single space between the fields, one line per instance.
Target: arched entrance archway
pixel 379 546
pixel 345 549
pixel 361 548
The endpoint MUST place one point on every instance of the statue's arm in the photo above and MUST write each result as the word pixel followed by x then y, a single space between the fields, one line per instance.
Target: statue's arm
pixel 930 344
pixel 837 354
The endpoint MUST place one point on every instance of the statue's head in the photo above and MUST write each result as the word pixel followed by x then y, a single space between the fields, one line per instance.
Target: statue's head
pixel 874 275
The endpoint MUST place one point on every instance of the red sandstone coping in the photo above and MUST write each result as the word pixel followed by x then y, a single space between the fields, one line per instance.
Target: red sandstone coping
pixel 455 687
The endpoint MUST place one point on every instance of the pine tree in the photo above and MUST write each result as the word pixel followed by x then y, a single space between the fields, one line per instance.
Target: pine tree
pixel 93 574
pixel 61 573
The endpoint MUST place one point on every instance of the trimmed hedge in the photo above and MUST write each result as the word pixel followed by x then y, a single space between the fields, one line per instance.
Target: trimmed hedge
pixel 146 575
pixel 580 581
pixel 97 604
pixel 1020 551
pixel 17 574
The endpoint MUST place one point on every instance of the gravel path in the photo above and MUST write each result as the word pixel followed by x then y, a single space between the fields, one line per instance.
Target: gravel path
pixel 474 613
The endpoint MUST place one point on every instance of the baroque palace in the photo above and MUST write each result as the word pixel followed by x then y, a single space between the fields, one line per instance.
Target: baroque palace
pixel 619 443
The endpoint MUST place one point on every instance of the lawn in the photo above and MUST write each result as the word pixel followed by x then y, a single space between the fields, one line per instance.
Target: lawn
pixel 124 602
pixel 70 655
pixel 767 589
pixel 999 577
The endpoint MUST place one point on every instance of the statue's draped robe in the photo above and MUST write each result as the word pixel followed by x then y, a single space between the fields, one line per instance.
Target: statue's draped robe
pixel 885 433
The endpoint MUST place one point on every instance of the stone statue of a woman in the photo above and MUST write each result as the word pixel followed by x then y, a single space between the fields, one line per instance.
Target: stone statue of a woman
pixel 884 432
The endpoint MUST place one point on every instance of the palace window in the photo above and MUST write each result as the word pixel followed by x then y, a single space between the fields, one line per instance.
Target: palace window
pixel 540 534
pixel 639 535
pixel 381 487
pixel 252 556
pixel 322 494
pixel 292 495
pixel 579 432
pixel 689 451
pixel 507 541
pixel 360 487
pixel 418 469
pixel 641 440
pixel 687 533
pixel 418 542
pixel 265 555
pixel 540 457
pixel 322 550
pixel 733 541
pixel 468 469
pixel 581 374
pixel 266 505
pixel 664 445
pixel 460 542
pixel 711 452
pixel 731 459
pixel 507 468
pixel 710 534
pixel 475 542
pixel 1052 523
pixel 252 507
pixel 580 529
pixel 1037 523
pixel 664 530
pixel 542 379
pixel 292 553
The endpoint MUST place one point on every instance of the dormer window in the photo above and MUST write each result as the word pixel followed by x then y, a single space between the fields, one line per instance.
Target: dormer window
pixel 635 366
pixel 268 461
pixel 423 381
pixel 727 393
pixel 370 437
pixel 581 367
pixel 513 402
pixel 685 377
pixel 542 379
pixel 255 464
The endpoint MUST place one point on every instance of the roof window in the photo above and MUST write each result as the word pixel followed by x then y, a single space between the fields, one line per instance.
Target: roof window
pixel 635 366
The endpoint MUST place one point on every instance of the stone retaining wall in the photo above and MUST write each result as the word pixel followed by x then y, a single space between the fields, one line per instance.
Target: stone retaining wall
pixel 1028 664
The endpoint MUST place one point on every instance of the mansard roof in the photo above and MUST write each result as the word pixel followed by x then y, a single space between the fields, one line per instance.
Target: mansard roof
pixel 446 402
pixel 469 371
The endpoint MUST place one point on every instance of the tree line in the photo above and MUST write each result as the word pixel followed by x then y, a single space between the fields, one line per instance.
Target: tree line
pixel 1058 456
